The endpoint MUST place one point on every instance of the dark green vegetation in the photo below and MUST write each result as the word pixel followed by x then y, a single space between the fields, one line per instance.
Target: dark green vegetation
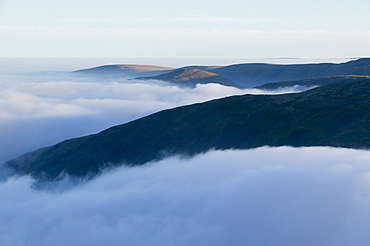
pixel 313 82
pixel 191 77
pixel 332 115
pixel 247 75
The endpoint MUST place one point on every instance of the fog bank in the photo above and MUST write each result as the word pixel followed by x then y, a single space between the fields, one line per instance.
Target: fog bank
pixel 266 196
pixel 41 109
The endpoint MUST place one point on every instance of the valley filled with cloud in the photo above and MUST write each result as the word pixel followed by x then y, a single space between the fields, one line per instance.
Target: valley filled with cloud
pixel 265 196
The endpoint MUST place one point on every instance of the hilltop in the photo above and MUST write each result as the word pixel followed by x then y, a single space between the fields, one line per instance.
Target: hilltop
pixel 191 77
pixel 123 70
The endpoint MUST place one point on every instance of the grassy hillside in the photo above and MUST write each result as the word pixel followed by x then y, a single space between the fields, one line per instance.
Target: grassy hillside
pixel 333 115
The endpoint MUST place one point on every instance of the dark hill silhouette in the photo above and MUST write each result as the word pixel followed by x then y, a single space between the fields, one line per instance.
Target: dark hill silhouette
pixel 333 115
pixel 191 77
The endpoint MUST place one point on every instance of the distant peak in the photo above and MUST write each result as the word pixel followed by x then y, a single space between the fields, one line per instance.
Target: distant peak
pixel 184 74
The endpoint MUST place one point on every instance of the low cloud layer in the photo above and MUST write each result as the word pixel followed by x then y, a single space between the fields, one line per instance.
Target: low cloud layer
pixel 39 109
pixel 266 196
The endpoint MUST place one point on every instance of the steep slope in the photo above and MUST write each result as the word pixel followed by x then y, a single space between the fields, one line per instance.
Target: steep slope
pixel 333 115
pixel 254 74
pixel 123 70
pixel 313 82
pixel 191 77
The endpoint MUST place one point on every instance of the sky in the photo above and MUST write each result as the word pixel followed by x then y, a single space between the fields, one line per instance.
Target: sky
pixel 185 29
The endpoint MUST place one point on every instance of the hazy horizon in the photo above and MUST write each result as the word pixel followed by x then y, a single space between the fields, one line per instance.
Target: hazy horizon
pixel 43 64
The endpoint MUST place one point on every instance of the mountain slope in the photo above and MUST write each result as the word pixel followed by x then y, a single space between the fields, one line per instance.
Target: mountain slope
pixel 191 77
pixel 333 115
pixel 313 82
pixel 254 74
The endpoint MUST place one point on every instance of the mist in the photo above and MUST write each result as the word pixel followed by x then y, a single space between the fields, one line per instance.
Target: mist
pixel 266 196
pixel 42 108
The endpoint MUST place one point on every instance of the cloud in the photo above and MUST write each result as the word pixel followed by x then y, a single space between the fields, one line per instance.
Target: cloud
pixel 266 196
pixel 39 109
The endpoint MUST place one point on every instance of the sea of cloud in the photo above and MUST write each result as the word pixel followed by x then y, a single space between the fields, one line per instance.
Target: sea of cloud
pixel 38 109
pixel 265 196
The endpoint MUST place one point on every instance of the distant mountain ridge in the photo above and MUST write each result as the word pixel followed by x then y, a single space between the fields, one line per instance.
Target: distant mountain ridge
pixel 256 74
pixel 333 115
pixel 246 75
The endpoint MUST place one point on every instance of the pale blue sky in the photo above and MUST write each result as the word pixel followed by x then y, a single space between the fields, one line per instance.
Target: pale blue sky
pixel 185 29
